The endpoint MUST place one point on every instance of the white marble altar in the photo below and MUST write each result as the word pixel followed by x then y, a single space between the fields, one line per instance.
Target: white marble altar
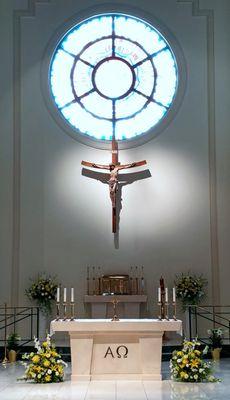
pixel 120 350
pixel 128 305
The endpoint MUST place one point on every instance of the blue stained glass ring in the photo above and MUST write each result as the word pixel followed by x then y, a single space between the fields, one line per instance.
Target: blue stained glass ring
pixel 120 84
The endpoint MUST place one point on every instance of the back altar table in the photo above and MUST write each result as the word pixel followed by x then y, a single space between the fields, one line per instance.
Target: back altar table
pixel 128 349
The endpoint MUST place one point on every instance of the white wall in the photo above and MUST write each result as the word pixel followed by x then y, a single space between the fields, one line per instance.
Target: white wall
pixel 54 219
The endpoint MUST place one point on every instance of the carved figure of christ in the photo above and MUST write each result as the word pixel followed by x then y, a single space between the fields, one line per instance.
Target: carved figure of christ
pixel 113 181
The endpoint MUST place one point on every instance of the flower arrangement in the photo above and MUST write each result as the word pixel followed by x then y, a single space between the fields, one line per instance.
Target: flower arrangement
pixel 45 364
pixel 215 338
pixel 43 290
pixel 190 288
pixel 187 364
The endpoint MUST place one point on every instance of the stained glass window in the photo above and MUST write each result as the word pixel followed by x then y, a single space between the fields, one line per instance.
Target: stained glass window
pixel 113 75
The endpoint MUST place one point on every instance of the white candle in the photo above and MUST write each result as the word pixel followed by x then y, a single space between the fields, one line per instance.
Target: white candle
pixel 58 294
pixel 64 295
pixel 72 295
pixel 159 295
pixel 166 295
pixel 174 295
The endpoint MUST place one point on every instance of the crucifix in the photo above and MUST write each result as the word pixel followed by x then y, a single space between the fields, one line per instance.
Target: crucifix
pixel 114 167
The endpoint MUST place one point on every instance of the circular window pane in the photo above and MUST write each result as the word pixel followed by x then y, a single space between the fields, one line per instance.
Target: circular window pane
pixel 113 76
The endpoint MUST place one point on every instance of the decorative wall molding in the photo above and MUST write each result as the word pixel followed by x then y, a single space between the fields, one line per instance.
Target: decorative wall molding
pixel 16 223
pixel 209 14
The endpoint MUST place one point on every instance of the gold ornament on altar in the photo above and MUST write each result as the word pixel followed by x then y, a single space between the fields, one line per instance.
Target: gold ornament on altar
pixel 115 284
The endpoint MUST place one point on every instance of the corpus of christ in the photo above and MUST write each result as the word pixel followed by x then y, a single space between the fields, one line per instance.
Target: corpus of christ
pixel 114 167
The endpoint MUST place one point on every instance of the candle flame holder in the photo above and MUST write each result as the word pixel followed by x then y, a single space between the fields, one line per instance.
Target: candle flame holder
pixel 167 311
pixel 174 311
pixel 57 311
pixel 160 311
pixel 72 311
pixel 64 311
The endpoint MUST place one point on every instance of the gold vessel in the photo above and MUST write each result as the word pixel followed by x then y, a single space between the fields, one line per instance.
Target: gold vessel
pixel 115 284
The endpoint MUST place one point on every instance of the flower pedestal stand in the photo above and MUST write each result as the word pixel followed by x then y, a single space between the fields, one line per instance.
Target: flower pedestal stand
pixel 43 326
pixel 216 354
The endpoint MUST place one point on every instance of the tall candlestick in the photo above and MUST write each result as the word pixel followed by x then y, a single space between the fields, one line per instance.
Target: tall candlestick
pixel 174 295
pixel 136 282
pixel 88 289
pixel 58 294
pixel 131 280
pixel 166 295
pixel 142 281
pixel 5 359
pixel 72 295
pixel 64 295
pixel 94 281
pixel 159 295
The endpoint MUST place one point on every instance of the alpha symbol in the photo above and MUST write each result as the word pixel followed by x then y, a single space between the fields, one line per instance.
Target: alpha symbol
pixel 109 352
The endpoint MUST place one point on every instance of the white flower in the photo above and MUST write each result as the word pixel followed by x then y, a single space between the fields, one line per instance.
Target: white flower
pixel 49 371
pixel 37 344
pixel 48 340
pixel 39 376
pixel 56 373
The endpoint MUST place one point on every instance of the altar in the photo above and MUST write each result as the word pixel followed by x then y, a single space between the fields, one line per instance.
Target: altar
pixel 116 350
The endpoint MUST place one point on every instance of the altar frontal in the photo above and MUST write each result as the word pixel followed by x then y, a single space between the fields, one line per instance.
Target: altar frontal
pixel 120 350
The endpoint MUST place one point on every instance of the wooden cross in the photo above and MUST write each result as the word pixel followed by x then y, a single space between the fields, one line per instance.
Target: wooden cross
pixel 113 181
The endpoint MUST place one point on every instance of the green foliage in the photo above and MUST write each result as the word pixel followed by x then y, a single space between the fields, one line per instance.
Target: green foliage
pixel 215 338
pixel 13 340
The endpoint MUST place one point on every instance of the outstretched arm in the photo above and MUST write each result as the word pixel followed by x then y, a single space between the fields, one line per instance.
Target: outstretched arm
pixel 93 165
pixel 135 164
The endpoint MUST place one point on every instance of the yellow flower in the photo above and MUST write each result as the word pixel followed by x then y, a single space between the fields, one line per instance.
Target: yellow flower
pixel 179 353
pixel 197 352
pixel 185 359
pixel 47 378
pixel 195 363
pixel 44 344
pixel 36 359
pixel 183 375
pixel 46 363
